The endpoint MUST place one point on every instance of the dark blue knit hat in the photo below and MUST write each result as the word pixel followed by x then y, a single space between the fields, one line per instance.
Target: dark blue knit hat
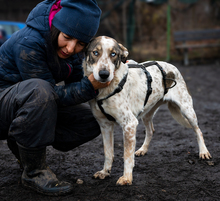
pixel 78 18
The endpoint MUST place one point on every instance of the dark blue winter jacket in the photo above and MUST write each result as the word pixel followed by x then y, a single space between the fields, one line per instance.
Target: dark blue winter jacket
pixel 28 54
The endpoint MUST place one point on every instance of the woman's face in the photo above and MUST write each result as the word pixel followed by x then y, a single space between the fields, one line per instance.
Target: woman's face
pixel 67 46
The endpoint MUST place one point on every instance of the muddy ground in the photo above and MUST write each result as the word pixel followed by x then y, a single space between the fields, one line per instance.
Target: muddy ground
pixel 171 170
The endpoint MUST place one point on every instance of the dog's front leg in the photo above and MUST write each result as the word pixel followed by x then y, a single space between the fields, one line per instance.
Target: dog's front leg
pixel 129 134
pixel 107 129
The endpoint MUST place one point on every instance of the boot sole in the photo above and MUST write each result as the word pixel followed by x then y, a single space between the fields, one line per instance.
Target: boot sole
pixel 29 186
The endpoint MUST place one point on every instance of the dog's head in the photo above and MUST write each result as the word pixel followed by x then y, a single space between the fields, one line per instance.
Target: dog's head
pixel 103 56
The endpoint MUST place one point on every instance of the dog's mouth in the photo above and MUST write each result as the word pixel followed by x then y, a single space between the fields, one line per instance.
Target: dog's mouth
pixel 103 81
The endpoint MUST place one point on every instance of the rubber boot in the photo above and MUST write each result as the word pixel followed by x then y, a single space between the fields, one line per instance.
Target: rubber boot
pixel 12 145
pixel 37 176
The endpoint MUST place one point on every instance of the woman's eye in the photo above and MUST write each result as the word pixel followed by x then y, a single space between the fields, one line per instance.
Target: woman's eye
pixel 66 37
pixel 82 44
pixel 95 53
pixel 113 54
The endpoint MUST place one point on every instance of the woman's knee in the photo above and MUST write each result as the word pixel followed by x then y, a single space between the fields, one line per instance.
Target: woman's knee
pixel 41 90
pixel 32 122
pixel 75 126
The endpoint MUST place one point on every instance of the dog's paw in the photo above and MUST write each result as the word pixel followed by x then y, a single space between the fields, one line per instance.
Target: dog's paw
pixel 205 155
pixel 140 152
pixel 124 181
pixel 101 175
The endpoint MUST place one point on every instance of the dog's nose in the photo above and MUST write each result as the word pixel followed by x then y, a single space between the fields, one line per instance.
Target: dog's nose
pixel 103 74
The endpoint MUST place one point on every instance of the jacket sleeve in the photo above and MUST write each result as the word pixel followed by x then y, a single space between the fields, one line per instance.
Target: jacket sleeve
pixel 31 61
pixel 76 92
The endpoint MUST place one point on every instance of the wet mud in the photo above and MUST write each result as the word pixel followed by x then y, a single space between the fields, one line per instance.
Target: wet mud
pixel 171 170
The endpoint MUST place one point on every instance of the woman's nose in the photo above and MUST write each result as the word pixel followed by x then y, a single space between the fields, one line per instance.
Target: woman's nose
pixel 71 46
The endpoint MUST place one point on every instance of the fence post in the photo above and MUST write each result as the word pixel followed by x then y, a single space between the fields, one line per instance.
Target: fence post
pixel 168 31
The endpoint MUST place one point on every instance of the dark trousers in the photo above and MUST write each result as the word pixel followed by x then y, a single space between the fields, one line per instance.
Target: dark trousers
pixel 30 115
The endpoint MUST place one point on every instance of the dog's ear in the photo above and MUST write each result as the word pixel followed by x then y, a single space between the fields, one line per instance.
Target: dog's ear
pixel 86 48
pixel 124 53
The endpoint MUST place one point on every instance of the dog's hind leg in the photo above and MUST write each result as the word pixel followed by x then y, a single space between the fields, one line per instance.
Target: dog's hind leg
pixel 152 126
pixel 156 106
pixel 107 129
pixel 182 111
pixel 148 123
pixel 149 129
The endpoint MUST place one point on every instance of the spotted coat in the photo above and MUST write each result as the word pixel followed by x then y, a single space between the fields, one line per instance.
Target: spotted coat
pixel 105 54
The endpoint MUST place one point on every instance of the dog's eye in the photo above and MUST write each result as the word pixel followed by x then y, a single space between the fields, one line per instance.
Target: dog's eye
pixel 95 53
pixel 113 54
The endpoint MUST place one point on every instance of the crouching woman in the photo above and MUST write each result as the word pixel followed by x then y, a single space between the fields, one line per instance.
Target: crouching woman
pixel 35 112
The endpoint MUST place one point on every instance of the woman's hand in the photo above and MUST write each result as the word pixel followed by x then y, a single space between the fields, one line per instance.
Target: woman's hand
pixel 96 84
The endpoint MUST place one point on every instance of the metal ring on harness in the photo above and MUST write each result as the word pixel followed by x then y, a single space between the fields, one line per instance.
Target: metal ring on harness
pixel 173 81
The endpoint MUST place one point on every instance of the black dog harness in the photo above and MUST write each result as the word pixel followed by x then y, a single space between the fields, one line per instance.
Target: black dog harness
pixel 149 88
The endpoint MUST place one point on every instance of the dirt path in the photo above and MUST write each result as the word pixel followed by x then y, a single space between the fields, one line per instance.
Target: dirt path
pixel 170 171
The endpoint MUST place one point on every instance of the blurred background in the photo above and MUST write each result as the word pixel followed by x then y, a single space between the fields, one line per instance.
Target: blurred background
pixel 147 27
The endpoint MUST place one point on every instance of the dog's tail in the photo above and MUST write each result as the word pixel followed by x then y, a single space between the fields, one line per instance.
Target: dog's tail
pixel 177 115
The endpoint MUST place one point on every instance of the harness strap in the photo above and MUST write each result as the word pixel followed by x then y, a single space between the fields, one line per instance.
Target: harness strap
pixel 117 90
pixel 108 116
pixel 164 74
pixel 149 88
pixel 149 78
pixel 164 77
pixel 151 63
